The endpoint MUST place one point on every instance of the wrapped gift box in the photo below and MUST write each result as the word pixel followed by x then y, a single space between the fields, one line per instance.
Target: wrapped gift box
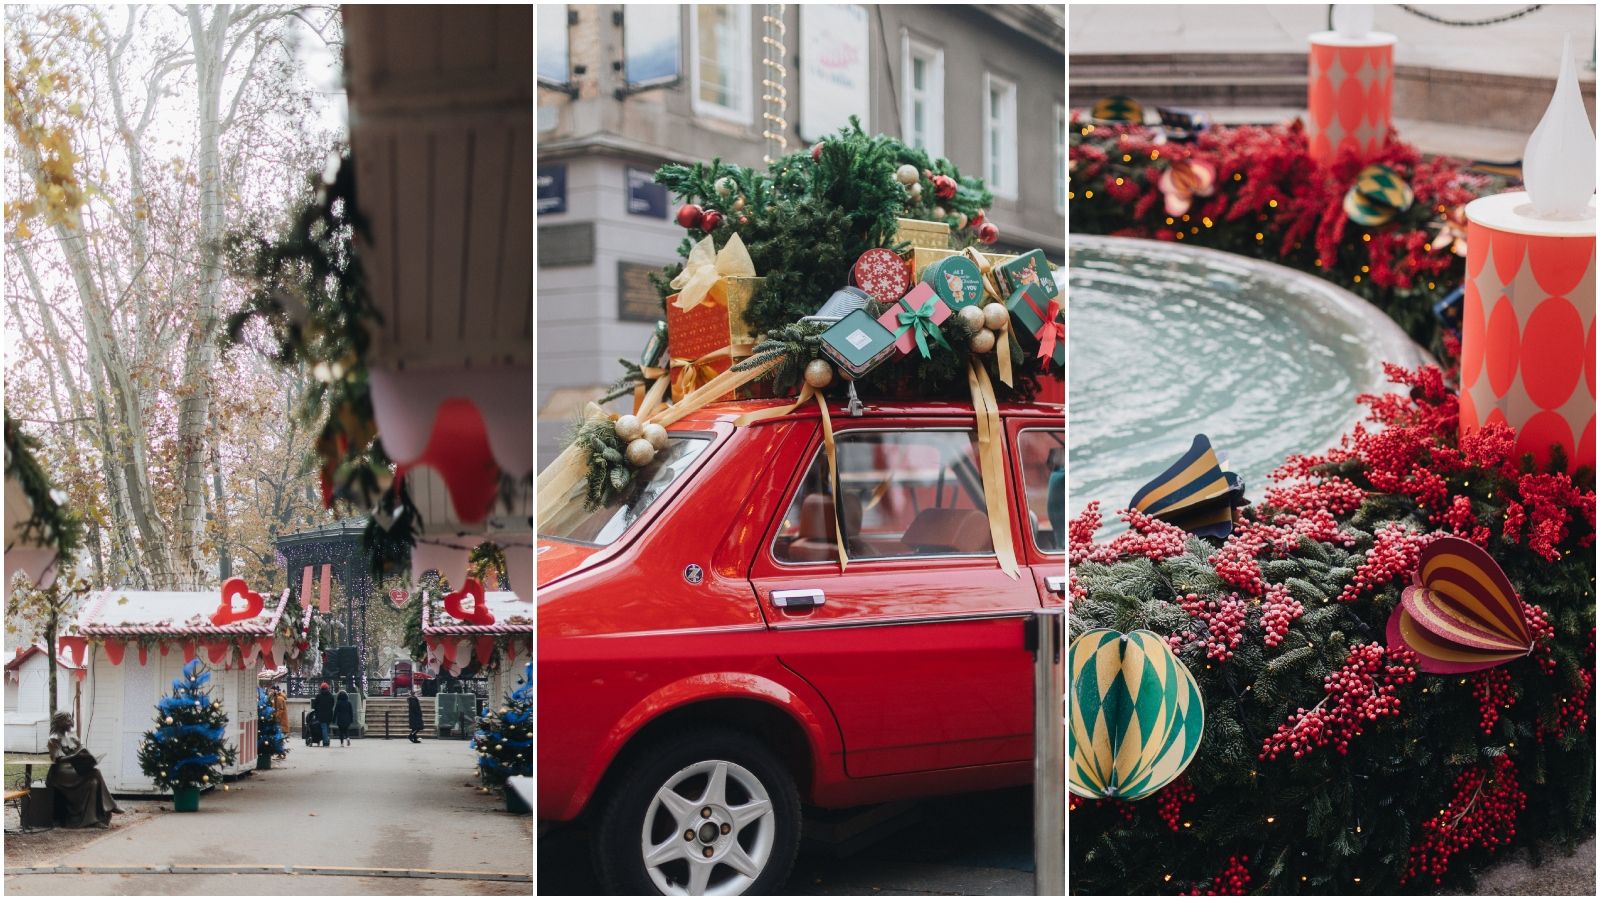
pixel 923 233
pixel 1031 312
pixel 1031 268
pixel 920 296
pixel 956 280
pixel 857 343
pixel 716 322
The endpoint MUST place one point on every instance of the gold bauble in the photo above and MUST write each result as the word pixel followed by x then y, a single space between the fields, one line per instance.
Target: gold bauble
pixel 982 342
pixel 971 318
pixel 916 191
pixel 656 435
pixel 629 428
pixel 640 453
pixel 907 174
pixel 819 374
pixel 996 317
pixel 938 212
pixel 961 220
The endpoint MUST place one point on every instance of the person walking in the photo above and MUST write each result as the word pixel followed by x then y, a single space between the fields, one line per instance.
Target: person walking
pixel 414 715
pixel 343 715
pixel 280 712
pixel 323 705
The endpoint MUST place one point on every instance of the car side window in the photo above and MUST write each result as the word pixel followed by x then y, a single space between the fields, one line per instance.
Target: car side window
pixel 1042 452
pixel 901 494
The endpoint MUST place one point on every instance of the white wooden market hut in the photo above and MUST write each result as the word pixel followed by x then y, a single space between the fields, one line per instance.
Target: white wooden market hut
pixel 27 710
pixel 132 644
pixel 503 646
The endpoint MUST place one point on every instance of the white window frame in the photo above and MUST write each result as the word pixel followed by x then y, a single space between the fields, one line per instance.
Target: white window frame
pixel 1006 186
pixel 1061 158
pixel 933 94
pixel 743 114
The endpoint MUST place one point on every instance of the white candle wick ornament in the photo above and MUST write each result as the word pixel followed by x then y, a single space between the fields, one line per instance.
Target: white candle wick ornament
pixel 1352 20
pixel 1558 163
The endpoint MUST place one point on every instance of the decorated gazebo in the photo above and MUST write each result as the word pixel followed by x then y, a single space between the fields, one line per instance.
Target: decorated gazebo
pixel 495 631
pixel 130 645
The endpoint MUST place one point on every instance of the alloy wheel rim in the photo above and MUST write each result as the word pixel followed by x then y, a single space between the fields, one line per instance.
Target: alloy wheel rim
pixel 708 831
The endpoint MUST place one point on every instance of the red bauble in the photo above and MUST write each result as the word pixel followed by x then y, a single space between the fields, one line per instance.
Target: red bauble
pixel 744 220
pixel 944 187
pixel 988 232
pixel 977 220
pixel 689 215
pixel 710 219
pixel 816 150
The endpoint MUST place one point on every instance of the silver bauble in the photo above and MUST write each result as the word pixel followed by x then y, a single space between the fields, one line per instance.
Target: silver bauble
pixel 656 435
pixel 640 453
pixel 996 317
pixel 725 185
pixel 629 428
pixel 819 374
pixel 939 213
pixel 982 342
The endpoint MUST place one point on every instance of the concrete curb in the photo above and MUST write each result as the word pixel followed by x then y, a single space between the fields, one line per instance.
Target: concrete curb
pixel 346 871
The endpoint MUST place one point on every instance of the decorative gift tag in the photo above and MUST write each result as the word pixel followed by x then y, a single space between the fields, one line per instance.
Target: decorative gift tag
pixel 881 273
pixel 915 321
pixel 956 280
pixel 858 343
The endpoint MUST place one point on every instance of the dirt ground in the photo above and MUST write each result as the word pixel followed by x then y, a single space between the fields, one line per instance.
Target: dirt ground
pixel 40 847
pixel 1556 876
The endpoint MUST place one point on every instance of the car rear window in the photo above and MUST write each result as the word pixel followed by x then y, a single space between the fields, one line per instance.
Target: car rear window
pixel 603 525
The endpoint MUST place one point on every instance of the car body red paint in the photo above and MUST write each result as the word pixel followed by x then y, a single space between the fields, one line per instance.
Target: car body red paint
pixel 910 680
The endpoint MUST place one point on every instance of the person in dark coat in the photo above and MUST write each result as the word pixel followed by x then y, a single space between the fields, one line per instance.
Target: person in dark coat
pixel 322 705
pixel 414 716
pixel 81 796
pixel 343 715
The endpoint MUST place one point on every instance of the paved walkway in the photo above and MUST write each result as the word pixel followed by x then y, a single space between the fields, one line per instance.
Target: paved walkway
pixel 375 804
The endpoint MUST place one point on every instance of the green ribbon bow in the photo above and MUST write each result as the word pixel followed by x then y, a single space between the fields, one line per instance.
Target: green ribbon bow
pixel 921 324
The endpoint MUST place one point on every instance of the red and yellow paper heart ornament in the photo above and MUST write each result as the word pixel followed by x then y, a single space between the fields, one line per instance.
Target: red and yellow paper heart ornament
pixel 1461 613
pixel 227 613
pixel 1185 180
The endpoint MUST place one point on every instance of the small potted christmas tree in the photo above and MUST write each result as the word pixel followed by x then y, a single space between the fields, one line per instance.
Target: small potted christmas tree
pixel 270 736
pixel 504 740
pixel 185 750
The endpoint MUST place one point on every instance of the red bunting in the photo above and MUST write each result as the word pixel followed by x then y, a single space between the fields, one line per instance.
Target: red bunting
pixel 114 651
pixel 485 648
pixel 74 647
pixel 144 654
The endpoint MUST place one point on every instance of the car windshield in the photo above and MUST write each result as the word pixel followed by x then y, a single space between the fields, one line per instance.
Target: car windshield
pixel 604 524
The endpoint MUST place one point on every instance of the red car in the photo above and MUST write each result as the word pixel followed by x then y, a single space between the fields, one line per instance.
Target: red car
pixel 705 667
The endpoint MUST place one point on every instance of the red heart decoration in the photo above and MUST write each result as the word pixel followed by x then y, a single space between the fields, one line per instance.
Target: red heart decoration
pixel 226 613
pixel 479 614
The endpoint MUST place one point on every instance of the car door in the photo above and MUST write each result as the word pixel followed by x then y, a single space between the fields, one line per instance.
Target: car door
pixel 1038 450
pixel 917 645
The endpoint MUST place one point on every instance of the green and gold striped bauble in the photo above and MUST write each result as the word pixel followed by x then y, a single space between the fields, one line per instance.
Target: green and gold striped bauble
pixel 1118 110
pixel 1135 715
pixel 1378 195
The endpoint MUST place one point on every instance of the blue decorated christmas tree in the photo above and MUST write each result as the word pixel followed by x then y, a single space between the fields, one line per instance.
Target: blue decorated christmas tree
pixel 271 736
pixel 504 739
pixel 186 748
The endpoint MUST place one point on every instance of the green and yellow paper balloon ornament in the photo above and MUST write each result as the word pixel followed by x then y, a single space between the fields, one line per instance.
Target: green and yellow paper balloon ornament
pixel 1135 718
pixel 1378 195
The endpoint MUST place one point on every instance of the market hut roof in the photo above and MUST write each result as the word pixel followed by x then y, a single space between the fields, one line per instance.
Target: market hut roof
pixel 172 614
pixel 512 615
pixel 29 652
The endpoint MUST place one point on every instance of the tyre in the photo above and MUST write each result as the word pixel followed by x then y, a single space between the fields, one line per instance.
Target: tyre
pixel 712 812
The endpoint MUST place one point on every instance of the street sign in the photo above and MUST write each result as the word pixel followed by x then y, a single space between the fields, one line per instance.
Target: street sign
pixel 552 189
pixel 645 197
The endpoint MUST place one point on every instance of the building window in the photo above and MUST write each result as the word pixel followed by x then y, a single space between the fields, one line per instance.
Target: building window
pixel 553 63
pixel 719 54
pixel 651 43
pixel 1000 135
pixel 922 106
pixel 1061 158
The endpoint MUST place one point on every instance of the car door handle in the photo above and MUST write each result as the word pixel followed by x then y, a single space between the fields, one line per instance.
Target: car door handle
pixel 1056 584
pixel 798 600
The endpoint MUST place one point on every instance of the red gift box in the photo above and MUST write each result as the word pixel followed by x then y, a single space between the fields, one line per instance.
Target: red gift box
pixel 914 301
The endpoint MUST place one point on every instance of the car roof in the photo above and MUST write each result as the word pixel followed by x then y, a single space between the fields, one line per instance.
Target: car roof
pixel 728 411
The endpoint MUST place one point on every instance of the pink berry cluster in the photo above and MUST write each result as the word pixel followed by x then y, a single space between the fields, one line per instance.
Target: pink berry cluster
pixel 1335 495
pixel 1148 537
pixel 1463 522
pixel 1360 691
pixel 1224 621
pixel 1543 633
pixel 1233 880
pixel 1482 815
pixel 1279 610
pixel 1170 801
pixel 1394 554
pixel 1238 561
pixel 1492 689
pixel 1572 710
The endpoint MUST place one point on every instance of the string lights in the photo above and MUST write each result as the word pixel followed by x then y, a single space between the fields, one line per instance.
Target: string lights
pixel 774 96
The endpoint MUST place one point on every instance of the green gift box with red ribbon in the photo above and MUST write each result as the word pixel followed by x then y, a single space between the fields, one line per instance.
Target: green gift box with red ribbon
pixel 1040 323
pixel 915 319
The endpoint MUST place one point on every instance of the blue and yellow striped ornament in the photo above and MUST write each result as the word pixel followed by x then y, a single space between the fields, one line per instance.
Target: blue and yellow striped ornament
pixel 1118 111
pixel 1194 493
pixel 1378 195
pixel 1136 716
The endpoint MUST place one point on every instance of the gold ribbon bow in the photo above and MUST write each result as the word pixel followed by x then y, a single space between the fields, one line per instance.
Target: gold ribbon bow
pixel 991 292
pixel 706 268
pixel 690 372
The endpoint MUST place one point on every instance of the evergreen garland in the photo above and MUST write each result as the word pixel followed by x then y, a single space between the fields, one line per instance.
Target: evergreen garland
pixel 187 748
pixel 1363 821
pixel 504 739
pixel 49 522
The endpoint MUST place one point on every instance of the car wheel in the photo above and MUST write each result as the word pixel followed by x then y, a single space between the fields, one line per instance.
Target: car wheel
pixel 707 814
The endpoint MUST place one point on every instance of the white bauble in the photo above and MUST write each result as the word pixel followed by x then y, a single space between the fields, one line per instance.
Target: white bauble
pixel 982 342
pixel 907 174
pixel 629 428
pixel 819 374
pixel 640 453
pixel 971 318
pixel 996 317
pixel 656 435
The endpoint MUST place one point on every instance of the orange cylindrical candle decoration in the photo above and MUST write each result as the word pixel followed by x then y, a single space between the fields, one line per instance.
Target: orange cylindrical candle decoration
pixel 1350 87
pixel 1527 327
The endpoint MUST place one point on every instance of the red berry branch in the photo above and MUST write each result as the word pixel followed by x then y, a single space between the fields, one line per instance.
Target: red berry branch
pixel 1231 881
pixel 1360 691
pixel 1483 814
pixel 1394 553
pixel 1170 801
pixel 1492 688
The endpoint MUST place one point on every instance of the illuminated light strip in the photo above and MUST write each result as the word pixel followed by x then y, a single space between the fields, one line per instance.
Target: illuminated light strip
pixel 774 96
